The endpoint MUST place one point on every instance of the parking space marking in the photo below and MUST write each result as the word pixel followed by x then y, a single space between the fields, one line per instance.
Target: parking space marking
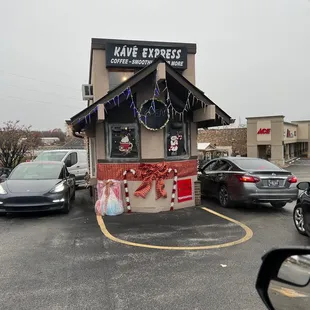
pixel 248 235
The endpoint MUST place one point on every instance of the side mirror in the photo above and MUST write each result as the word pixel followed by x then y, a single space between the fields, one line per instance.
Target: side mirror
pixel 303 186
pixel 283 280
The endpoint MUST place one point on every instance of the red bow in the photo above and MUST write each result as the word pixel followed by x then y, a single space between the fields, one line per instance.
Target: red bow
pixel 150 172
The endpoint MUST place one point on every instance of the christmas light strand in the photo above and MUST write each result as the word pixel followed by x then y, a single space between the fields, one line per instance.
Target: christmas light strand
pixel 127 93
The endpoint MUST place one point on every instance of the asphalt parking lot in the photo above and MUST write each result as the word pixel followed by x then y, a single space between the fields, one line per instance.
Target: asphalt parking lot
pixel 66 262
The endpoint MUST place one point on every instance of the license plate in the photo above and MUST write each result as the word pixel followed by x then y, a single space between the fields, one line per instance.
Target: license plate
pixel 273 183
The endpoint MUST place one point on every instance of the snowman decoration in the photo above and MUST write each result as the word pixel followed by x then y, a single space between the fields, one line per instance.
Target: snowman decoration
pixel 174 144
pixel 125 145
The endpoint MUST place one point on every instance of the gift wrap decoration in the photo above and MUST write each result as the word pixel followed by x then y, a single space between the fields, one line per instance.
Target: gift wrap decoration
pixel 109 198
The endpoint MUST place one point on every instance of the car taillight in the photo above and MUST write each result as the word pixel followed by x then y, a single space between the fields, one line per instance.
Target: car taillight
pixel 248 179
pixel 292 179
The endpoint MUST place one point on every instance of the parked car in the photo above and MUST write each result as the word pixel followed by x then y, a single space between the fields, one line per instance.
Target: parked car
pixel 75 161
pixel 37 186
pixel 301 214
pixel 247 180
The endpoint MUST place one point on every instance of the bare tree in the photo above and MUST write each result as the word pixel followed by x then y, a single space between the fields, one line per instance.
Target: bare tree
pixel 16 141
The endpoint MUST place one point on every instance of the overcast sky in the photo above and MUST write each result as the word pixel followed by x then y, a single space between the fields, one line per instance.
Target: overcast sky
pixel 253 56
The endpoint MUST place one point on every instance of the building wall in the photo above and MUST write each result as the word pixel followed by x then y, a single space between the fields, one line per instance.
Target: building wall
pixel 99 74
pixel 293 130
pixel 235 137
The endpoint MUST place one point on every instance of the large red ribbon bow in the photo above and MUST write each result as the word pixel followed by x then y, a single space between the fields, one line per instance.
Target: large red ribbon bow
pixel 150 173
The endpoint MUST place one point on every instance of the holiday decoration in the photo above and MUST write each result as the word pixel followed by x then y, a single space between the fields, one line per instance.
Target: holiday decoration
pixel 175 178
pixel 127 94
pixel 154 114
pixel 125 145
pixel 133 172
pixel 185 191
pixel 185 168
pixel 150 173
pixel 174 144
pixel 109 198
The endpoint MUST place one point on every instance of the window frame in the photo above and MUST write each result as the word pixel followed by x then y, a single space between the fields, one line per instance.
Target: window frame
pixel 109 142
pixel 186 136
pixel 77 159
pixel 213 161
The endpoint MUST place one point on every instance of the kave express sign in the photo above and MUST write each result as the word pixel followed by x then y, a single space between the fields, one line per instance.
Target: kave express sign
pixel 137 56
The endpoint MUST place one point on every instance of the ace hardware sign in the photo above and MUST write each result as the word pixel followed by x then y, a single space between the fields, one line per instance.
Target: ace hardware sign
pixel 264 131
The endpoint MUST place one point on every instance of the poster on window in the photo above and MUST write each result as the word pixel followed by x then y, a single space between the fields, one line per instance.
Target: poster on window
pixel 123 142
pixel 176 145
pixel 185 191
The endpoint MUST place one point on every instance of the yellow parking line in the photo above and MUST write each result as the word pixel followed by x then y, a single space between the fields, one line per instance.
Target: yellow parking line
pixel 248 235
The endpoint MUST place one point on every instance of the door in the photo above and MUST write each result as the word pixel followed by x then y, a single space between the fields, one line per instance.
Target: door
pixel 71 163
pixel 220 175
pixel 206 177
pixel 82 166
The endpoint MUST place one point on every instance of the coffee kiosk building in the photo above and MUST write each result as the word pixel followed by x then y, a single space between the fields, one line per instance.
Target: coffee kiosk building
pixel 142 119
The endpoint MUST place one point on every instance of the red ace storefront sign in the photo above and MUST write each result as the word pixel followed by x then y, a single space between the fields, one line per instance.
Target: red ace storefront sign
pixel 264 131
pixel 185 192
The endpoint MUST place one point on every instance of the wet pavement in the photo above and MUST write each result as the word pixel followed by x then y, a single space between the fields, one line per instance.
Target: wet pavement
pixel 65 262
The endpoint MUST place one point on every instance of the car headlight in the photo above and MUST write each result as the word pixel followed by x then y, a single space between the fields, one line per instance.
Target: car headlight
pixel 2 191
pixel 58 188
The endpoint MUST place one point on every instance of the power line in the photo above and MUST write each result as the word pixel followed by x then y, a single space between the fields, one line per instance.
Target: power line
pixel 34 79
pixel 47 92
pixel 36 101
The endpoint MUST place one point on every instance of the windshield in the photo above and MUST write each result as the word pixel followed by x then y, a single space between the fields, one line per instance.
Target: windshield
pixel 40 171
pixel 255 164
pixel 51 156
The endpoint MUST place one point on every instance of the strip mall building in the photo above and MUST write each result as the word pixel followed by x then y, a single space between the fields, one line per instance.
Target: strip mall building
pixel 273 137
pixel 142 120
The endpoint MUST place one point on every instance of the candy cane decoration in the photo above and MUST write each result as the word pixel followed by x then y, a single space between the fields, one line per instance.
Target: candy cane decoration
pixel 132 171
pixel 174 187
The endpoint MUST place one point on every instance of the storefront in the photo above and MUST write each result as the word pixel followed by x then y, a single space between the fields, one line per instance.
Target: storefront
pixel 142 122
pixel 273 138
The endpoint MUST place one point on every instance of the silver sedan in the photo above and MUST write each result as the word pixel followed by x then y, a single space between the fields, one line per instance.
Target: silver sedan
pixel 248 180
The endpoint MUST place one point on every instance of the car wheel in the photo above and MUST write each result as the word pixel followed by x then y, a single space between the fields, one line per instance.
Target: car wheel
pixel 224 198
pixel 298 217
pixel 67 206
pixel 278 205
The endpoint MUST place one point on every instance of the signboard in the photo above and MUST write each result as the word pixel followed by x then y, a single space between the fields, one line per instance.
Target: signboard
pixel 137 56
pixel 185 191
pixel 291 134
pixel 264 131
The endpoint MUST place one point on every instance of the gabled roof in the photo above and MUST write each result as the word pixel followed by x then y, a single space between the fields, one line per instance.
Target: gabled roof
pixel 139 76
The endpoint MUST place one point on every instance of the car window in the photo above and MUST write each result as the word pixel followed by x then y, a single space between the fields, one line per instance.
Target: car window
pixel 37 171
pixel 256 164
pixel 73 157
pixel 51 156
pixel 223 166
pixel 210 166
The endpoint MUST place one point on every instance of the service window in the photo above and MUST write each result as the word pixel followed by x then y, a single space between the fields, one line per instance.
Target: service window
pixel 177 140
pixel 118 77
pixel 123 141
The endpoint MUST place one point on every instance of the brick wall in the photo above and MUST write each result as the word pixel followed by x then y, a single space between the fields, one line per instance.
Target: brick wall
pixel 234 137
